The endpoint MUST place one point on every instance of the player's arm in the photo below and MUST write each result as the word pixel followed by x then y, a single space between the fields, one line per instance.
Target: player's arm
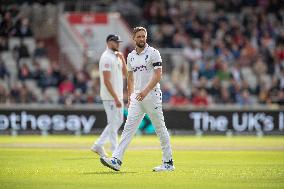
pixel 124 69
pixel 153 82
pixel 107 77
pixel 130 85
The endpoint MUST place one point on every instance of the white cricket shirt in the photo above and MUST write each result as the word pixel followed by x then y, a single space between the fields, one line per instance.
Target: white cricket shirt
pixel 110 62
pixel 142 66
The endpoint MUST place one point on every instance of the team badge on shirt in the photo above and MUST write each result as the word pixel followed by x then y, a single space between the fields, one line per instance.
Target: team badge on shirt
pixel 146 57
pixel 107 65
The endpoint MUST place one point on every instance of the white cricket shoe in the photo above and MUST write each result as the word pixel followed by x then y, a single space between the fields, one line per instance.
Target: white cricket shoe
pixel 112 163
pixel 166 166
pixel 99 150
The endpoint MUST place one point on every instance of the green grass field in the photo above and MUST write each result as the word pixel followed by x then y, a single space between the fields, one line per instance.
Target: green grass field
pixel 65 162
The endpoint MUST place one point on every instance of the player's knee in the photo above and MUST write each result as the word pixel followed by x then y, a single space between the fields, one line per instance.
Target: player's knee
pixel 120 121
pixel 113 132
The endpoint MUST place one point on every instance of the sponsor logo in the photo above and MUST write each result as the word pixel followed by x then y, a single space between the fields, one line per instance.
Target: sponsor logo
pixel 258 121
pixel 44 122
pixel 140 68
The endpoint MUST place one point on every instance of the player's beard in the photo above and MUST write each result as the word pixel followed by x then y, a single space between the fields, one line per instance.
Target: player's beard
pixel 141 44
pixel 114 49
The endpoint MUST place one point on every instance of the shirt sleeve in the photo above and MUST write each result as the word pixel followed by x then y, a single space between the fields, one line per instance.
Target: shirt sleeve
pixel 156 59
pixel 105 64
pixel 129 68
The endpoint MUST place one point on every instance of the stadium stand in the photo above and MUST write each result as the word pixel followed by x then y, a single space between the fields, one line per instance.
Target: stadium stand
pixel 214 52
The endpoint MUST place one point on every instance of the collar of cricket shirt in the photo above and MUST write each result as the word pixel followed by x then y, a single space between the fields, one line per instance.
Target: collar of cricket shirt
pixel 111 51
pixel 144 50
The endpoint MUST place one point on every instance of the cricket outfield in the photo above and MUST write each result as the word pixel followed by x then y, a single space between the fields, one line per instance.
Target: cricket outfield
pixel 65 162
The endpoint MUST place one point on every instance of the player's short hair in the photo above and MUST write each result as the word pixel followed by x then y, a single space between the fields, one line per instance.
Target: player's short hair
pixel 137 29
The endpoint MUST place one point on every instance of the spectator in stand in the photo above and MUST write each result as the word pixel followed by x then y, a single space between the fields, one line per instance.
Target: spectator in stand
pixel 24 29
pixel 274 89
pixel 14 10
pixel 3 44
pixel 81 82
pixel 215 89
pixel 179 99
pixel 3 70
pixel 268 58
pixel 178 39
pixel 280 98
pixel 21 51
pixel 192 52
pixel 248 51
pixel 235 51
pixel 26 95
pixel 91 97
pixel 200 98
pixel 95 74
pixel 267 40
pixel 234 89
pixel 223 74
pixel 279 59
pixel 57 72
pixel 38 73
pixel 180 77
pixel 203 83
pixel 195 75
pixel 167 30
pixel 244 98
pixel 208 72
pixel 40 51
pixel 15 93
pixel 279 52
pixel 66 98
pixel 95 89
pixel 207 51
pixel 48 79
pixel 167 94
pixel 24 73
pixel 281 79
pixel 245 86
pixel 263 96
pixel 46 99
pixel 6 25
pixel 66 87
pixel 4 97
pixel 236 73
pixel 79 97
pixel 225 97
pixel 280 38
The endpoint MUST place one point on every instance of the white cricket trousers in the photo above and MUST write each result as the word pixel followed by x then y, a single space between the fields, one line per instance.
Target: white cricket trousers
pixel 114 121
pixel 152 105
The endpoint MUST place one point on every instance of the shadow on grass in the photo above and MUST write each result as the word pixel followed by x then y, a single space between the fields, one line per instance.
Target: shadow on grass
pixel 108 173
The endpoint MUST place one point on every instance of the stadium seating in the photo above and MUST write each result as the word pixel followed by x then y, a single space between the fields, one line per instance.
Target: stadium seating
pixel 225 38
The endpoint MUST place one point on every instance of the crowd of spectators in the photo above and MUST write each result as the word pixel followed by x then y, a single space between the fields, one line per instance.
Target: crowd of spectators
pixel 37 78
pixel 230 52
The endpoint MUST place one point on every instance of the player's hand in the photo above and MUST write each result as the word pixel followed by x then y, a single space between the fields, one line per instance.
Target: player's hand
pixel 141 96
pixel 119 54
pixel 117 103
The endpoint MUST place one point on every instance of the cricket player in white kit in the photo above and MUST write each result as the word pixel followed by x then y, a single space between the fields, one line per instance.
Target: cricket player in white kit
pixel 144 66
pixel 112 67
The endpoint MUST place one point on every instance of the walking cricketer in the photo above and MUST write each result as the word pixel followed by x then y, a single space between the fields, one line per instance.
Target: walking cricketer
pixel 144 66
pixel 112 67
